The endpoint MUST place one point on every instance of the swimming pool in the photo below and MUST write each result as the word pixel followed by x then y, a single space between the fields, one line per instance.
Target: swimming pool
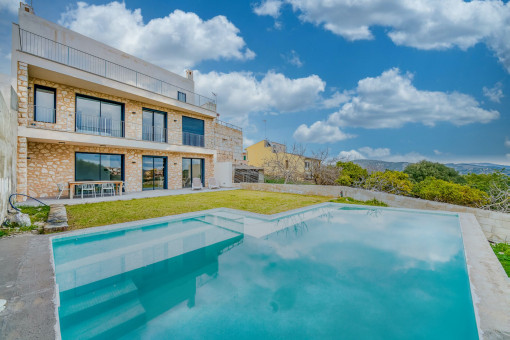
pixel 330 271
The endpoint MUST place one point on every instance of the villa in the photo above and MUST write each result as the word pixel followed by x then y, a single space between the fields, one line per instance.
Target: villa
pixel 88 112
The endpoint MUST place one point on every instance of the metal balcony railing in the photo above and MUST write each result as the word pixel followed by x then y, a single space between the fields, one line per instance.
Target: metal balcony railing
pixel 192 139
pixel 102 126
pixel 42 47
pixel 232 126
pixel 154 133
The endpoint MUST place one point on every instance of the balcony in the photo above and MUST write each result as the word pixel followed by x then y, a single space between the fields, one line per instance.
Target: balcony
pixel 48 49
pixel 192 139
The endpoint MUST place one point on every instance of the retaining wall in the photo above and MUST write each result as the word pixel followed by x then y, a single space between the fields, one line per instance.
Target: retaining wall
pixel 495 226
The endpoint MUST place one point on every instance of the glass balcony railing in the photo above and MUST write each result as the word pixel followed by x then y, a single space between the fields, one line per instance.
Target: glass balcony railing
pixel 192 139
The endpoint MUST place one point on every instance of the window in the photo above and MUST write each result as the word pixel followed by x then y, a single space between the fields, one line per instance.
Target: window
pixel 192 131
pixel 153 172
pixel 98 167
pixel 45 104
pixel 307 165
pixel 286 164
pixel 192 168
pixel 181 96
pixel 99 117
pixel 154 125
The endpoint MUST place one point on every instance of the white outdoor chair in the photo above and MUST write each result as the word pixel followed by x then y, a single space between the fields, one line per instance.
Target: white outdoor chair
pixel 196 184
pixel 88 187
pixel 61 188
pixel 107 187
pixel 213 184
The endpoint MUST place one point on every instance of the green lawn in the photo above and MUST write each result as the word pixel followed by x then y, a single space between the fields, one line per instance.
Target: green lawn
pixel 502 252
pixel 97 214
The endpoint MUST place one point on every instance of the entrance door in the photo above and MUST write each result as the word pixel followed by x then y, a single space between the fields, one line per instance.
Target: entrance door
pixel 153 173
pixel 192 168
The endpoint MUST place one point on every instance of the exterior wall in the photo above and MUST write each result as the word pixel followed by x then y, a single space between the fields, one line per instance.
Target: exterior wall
pixel 48 164
pixel 8 146
pixel 495 226
pixel 228 143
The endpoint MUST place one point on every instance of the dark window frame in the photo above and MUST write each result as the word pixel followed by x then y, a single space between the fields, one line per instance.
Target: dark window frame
pixel 166 122
pixel 122 109
pixel 202 168
pixel 183 94
pixel 199 134
pixel 122 162
pixel 165 171
pixel 47 88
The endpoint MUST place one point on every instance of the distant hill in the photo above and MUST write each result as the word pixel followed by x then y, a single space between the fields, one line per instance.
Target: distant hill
pixel 462 168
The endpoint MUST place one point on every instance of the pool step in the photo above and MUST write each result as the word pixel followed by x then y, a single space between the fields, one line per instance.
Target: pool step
pixel 112 323
pixel 80 307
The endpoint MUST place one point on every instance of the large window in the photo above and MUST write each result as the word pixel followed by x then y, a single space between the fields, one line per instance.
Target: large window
pixel 192 131
pixel 192 168
pixel 45 104
pixel 99 117
pixel 153 173
pixel 154 125
pixel 181 96
pixel 99 167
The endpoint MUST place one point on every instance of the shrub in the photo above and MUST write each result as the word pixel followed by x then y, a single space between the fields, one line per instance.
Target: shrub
pixel 393 182
pixel 484 182
pixel 442 191
pixel 423 169
pixel 350 173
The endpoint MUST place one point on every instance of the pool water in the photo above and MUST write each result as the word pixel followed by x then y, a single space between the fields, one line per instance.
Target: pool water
pixel 333 272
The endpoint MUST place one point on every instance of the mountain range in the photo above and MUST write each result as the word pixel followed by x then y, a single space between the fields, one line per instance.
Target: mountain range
pixel 462 168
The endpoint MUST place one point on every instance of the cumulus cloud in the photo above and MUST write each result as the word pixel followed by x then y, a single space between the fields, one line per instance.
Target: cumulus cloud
pixel 383 154
pixel 319 132
pixel 293 58
pixel 10 6
pixel 391 101
pixel 423 24
pixel 247 141
pixel 437 152
pixel 177 41
pixel 336 99
pixel 507 142
pixel 242 93
pixel 268 7
pixel 495 93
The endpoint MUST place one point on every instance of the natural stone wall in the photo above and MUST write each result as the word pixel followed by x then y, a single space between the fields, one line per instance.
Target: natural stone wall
pixel 49 164
pixel 228 143
pixel 496 226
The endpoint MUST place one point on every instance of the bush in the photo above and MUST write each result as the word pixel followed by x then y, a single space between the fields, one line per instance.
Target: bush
pixel 350 173
pixel 393 182
pixel 484 182
pixel 420 171
pixel 442 191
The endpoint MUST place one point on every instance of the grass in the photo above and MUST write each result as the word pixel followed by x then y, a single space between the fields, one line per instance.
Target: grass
pixel 349 200
pixel 502 252
pixel 37 214
pixel 97 214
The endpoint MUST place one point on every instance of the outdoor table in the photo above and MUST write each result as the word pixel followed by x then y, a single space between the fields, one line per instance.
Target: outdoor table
pixel 118 186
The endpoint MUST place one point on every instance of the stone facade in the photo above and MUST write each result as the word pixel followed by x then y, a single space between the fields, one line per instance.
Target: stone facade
pixel 228 143
pixel 49 164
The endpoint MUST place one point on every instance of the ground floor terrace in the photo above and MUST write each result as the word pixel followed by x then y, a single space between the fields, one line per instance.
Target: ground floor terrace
pixel 42 167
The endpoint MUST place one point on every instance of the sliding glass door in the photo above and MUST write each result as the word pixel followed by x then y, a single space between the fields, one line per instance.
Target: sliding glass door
pixel 154 125
pixel 98 167
pixel 192 168
pixel 99 117
pixel 153 173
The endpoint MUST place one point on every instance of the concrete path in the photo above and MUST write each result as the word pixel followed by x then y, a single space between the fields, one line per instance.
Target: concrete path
pixel 127 196
pixel 26 282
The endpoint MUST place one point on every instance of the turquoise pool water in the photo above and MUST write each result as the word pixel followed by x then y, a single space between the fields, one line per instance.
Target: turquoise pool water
pixel 333 272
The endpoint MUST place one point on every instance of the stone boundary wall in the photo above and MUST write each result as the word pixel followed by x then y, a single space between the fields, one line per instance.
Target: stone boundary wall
pixel 228 142
pixel 495 225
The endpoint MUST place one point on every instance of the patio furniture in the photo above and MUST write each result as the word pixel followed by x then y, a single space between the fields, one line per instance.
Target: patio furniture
pixel 107 187
pixel 88 187
pixel 73 184
pixel 213 184
pixel 61 188
pixel 196 184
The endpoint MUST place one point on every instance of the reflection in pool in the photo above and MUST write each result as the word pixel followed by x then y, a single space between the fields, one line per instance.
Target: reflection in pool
pixel 331 272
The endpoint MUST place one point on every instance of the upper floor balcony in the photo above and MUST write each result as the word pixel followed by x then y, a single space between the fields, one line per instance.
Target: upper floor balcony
pixel 37 45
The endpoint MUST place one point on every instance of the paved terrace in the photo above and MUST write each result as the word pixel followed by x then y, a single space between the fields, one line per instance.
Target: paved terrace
pixel 126 196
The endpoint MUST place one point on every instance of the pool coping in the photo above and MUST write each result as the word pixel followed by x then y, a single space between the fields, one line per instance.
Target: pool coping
pixel 489 284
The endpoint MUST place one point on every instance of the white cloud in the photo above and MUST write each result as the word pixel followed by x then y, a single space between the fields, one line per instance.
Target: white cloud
pixel 319 132
pixel 247 141
pixel 375 153
pixel 507 142
pixel 423 24
pixel 383 154
pixel 293 59
pixel 242 93
pixel 177 41
pixel 268 7
pixel 391 101
pixel 10 6
pixel 336 99
pixel 495 93
pixel 437 152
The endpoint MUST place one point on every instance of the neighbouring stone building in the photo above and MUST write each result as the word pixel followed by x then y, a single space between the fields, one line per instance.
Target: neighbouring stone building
pixel 89 112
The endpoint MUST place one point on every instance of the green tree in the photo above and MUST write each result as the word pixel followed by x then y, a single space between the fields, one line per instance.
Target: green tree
pixel 350 173
pixel 484 182
pixel 423 169
pixel 394 182
pixel 442 191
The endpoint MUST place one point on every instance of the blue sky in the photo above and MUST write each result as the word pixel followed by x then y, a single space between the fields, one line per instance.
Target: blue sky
pixel 370 79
